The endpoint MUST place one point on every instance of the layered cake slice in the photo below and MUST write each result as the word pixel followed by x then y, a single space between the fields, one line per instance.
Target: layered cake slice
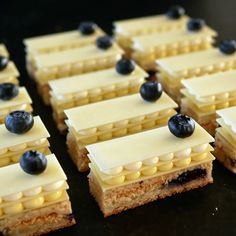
pixel 126 78
pixel 86 34
pixel 196 36
pixel 20 133
pixel 13 98
pixel 125 30
pixel 100 55
pixel 174 69
pixel 225 144
pixel 33 195
pixel 206 94
pixel 131 171
pixel 114 118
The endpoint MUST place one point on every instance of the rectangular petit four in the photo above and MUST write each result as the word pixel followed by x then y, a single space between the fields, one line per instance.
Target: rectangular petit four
pixel 125 30
pixel 113 118
pixel 206 94
pixel 60 41
pixel 148 48
pixel 21 102
pixel 90 88
pixel 131 171
pixel 56 65
pixel 225 144
pixel 174 69
pixel 13 145
pixel 34 204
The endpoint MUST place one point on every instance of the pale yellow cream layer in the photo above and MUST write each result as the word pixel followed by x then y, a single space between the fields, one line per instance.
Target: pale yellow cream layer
pixel 114 110
pixel 141 146
pixel 229 117
pixel 60 39
pixel 3 51
pixel 99 79
pixel 156 23
pixel 193 60
pixel 75 55
pixel 16 180
pixel 175 38
pixel 37 132
pixel 214 84
pixel 9 71
pixel 22 98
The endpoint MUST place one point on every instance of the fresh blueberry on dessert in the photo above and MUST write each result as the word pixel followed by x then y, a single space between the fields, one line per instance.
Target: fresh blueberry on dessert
pixel 19 122
pixel 181 126
pixel 33 162
pixel 175 12
pixel 195 24
pixel 125 66
pixel 104 42
pixel 3 62
pixel 227 46
pixel 87 27
pixel 151 91
pixel 8 91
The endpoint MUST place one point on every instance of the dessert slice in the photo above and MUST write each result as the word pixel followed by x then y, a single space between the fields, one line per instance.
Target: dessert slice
pixel 13 98
pixel 92 87
pixel 104 54
pixel 34 201
pixel 86 34
pixel 225 144
pixel 131 171
pixel 114 118
pixel 125 30
pixel 206 94
pixel 174 69
pixel 21 133
pixel 196 36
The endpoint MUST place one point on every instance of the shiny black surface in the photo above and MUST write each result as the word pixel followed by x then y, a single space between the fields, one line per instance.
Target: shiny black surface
pixel 207 211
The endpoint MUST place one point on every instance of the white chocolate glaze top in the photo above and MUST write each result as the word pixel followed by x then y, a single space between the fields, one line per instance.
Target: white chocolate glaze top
pixel 194 60
pixel 145 42
pixel 229 116
pixel 16 180
pixel 58 39
pixel 218 83
pixel 97 79
pixel 22 98
pixel 133 26
pixel 114 110
pixel 9 71
pixel 3 51
pixel 37 132
pixel 141 146
pixel 75 55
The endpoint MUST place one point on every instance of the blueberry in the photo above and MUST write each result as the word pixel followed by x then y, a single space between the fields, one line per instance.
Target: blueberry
pixel 151 91
pixel 181 125
pixel 104 42
pixel 195 24
pixel 3 62
pixel 87 27
pixel 19 122
pixel 175 12
pixel 33 162
pixel 125 66
pixel 227 46
pixel 8 91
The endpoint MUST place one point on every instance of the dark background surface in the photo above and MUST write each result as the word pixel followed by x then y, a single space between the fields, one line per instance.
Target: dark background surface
pixel 207 211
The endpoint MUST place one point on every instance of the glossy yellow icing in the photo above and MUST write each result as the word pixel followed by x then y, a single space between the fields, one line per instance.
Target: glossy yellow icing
pixel 126 108
pixel 156 142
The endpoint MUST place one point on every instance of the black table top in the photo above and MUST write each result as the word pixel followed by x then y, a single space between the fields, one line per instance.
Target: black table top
pixel 207 211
